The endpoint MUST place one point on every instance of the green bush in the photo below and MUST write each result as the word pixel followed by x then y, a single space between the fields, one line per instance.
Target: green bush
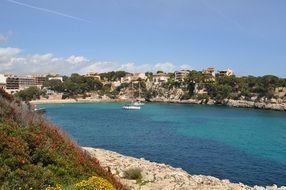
pixel 29 94
pixel 203 97
pixel 133 173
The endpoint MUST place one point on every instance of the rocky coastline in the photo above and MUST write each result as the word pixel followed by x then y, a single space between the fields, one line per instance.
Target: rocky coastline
pixel 161 176
pixel 271 105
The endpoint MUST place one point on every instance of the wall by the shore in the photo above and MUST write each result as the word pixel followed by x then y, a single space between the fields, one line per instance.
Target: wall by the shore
pixel 157 176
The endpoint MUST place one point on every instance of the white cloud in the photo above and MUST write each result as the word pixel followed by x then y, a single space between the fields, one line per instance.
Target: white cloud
pixel 77 60
pixel 99 66
pixel 6 53
pixel 166 67
pixel 41 58
pixel 186 67
pixel 12 61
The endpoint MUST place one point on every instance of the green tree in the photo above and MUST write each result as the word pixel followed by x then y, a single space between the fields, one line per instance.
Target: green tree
pixel 55 85
pixel 29 94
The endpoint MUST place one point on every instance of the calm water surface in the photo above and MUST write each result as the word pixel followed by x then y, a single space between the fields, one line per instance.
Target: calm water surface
pixel 243 145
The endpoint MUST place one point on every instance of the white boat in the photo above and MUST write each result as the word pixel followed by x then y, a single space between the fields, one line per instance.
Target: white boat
pixel 138 103
pixel 40 110
pixel 131 107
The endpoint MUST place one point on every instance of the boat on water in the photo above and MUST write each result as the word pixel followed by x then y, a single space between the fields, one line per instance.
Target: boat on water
pixel 138 103
pixel 131 107
pixel 40 110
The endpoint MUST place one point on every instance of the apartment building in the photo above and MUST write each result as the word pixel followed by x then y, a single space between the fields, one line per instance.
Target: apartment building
pixel 15 83
pixel 226 72
pixel 181 75
pixel 209 71
pixel 160 78
pixel 2 81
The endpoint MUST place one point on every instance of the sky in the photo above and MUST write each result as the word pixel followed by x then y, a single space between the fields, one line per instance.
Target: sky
pixel 67 36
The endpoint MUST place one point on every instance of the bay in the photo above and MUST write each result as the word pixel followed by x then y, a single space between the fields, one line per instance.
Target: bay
pixel 243 145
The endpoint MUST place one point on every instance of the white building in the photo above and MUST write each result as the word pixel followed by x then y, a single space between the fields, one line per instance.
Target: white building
pixel 56 78
pixel 161 78
pixel 2 81
pixel 93 74
pixel 138 76
pixel 209 71
pixel 17 83
pixel 181 75
pixel 133 77
pixel 226 72
pixel 127 78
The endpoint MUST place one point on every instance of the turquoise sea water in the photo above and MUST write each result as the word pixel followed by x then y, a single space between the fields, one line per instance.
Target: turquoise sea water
pixel 243 145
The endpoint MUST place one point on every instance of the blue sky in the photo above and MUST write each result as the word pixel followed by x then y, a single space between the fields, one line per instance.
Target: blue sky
pixel 78 36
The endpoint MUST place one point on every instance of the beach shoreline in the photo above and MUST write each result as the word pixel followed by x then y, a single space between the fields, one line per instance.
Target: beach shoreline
pixel 227 102
pixel 67 101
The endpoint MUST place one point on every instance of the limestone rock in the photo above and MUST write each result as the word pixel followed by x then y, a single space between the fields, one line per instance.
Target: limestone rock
pixel 157 176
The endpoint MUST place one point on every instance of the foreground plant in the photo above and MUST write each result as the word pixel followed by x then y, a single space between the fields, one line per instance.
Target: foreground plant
pixel 35 154
pixel 94 183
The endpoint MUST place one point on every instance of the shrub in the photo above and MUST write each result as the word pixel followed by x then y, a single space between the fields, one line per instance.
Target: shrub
pixel 185 96
pixel 203 97
pixel 133 173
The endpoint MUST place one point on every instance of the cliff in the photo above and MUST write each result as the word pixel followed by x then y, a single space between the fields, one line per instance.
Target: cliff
pixel 178 95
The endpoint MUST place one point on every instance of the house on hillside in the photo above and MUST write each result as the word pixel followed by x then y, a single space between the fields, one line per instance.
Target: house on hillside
pixel 209 72
pixel 127 78
pixel 93 74
pixel 226 72
pixel 133 77
pixel 160 78
pixel 181 75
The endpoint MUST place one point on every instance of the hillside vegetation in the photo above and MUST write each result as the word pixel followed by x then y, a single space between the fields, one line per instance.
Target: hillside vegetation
pixel 34 154
pixel 196 85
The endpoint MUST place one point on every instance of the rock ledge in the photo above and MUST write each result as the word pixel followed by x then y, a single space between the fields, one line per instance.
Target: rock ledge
pixel 157 176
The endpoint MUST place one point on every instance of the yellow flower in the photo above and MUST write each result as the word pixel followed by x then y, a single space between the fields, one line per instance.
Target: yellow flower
pixel 57 187
pixel 94 183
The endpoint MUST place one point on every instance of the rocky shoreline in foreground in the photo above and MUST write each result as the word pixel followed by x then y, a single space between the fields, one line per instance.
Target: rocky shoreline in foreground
pixel 157 176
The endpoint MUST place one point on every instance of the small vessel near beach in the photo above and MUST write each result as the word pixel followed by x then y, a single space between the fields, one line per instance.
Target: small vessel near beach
pixel 131 107
pixel 138 103
pixel 39 110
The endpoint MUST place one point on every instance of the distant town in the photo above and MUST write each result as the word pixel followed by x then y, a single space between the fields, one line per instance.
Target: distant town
pixel 13 83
